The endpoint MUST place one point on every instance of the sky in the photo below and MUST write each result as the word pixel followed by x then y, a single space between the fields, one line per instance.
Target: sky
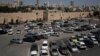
pixel 65 2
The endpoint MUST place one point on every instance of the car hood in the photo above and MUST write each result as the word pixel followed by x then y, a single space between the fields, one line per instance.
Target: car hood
pixel 33 52
pixel 44 47
pixel 54 53
pixel 74 49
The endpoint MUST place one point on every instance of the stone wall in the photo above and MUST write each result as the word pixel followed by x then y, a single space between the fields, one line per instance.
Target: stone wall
pixel 40 14
pixel 63 15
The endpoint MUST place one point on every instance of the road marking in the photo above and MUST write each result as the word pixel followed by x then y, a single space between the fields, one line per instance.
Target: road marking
pixel 28 53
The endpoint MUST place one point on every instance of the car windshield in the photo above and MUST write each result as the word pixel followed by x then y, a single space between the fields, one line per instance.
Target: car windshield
pixel 83 45
pixel 64 48
pixel 53 43
pixel 54 50
pixel 10 31
pixel 18 39
pixel 44 44
pixel 33 47
pixel 44 54
pixel 18 30
pixel 73 46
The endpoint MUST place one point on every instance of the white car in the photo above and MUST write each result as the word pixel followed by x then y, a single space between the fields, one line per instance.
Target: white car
pixel 16 40
pixel 10 32
pixel 26 27
pixel 85 37
pixel 44 33
pixel 0 28
pixel 34 50
pixel 95 41
pixel 29 30
pixel 18 32
pixel 90 35
pixel 74 39
pixel 79 37
pixel 50 31
pixel 81 45
pixel 45 45
pixel 44 53
pixel 34 53
pixel 73 47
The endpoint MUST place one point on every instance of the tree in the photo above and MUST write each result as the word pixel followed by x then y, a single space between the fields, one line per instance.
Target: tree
pixel 26 21
pixel 96 13
pixel 90 15
pixel 17 21
pixel 50 8
pixel 4 21
pixel 12 21
pixel 59 8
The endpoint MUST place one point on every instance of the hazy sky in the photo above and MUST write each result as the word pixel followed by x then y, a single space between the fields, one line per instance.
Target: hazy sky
pixel 65 2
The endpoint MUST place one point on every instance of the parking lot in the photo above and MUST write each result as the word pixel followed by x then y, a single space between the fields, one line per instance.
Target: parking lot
pixel 9 49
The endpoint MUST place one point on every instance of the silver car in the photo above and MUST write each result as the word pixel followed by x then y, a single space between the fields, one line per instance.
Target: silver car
pixel 16 40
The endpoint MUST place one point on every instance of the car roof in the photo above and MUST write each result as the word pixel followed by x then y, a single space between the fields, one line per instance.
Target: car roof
pixel 93 38
pixel 34 46
pixel 45 41
pixel 81 42
pixel 44 51
pixel 33 52
pixel 72 43
pixel 73 36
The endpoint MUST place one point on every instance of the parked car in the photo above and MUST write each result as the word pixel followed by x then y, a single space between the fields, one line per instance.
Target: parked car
pixel 81 45
pixel 90 35
pixel 45 44
pixel 34 49
pixel 63 49
pixel 29 30
pixel 29 39
pixel 53 48
pixel 89 43
pixel 7 26
pixel 94 40
pixel 74 39
pixel 3 31
pixel 86 27
pixel 44 53
pixel 54 51
pixel 30 34
pixel 97 34
pixel 16 40
pixel 43 35
pixel 79 37
pixel 10 31
pixel 55 34
pixel 18 32
pixel 26 27
pixel 85 36
pixel 98 26
pixel 53 44
pixel 68 30
pixel 72 47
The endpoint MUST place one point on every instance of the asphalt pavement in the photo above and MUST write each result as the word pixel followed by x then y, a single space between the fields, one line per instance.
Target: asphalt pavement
pixel 7 49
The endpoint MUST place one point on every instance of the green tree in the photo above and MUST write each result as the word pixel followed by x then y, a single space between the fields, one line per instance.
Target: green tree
pixel 12 21
pixel 26 21
pixel 17 21
pixel 96 13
